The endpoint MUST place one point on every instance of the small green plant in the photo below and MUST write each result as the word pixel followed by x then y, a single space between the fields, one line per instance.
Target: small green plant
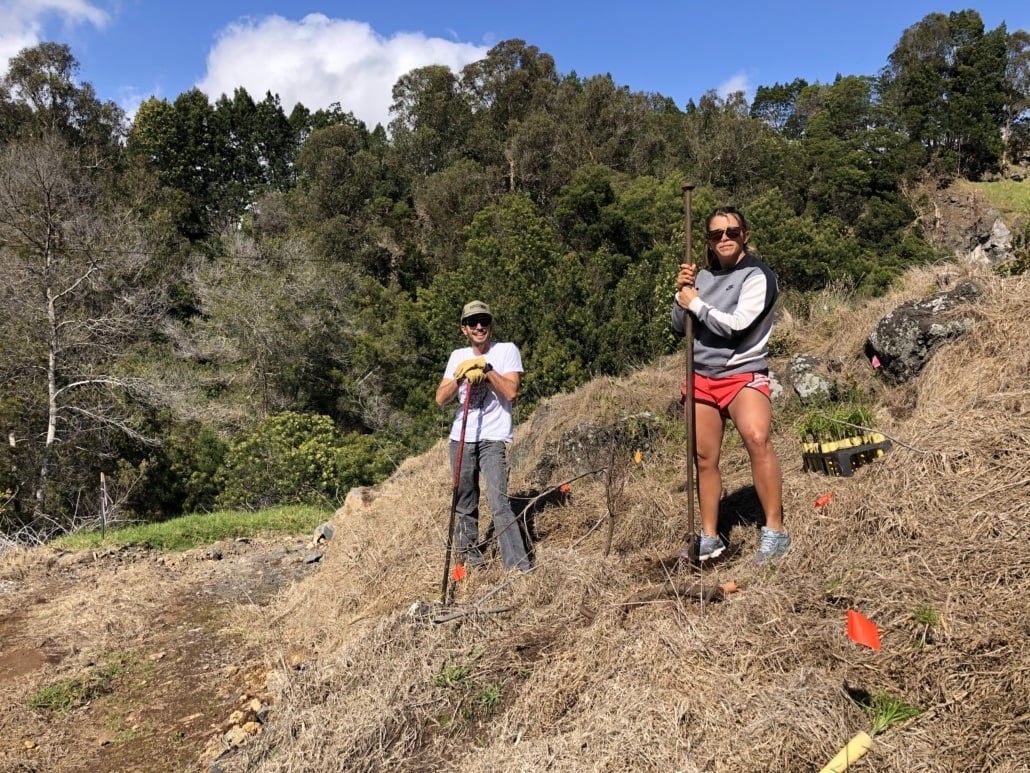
pixel 929 619
pixel 886 711
pixel 488 698
pixel 927 615
pixel 69 694
pixel 451 676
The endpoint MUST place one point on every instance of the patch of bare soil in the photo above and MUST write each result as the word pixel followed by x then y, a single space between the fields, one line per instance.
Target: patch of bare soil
pixel 132 659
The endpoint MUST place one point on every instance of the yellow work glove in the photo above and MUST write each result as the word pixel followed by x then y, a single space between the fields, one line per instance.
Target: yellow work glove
pixel 464 367
pixel 475 375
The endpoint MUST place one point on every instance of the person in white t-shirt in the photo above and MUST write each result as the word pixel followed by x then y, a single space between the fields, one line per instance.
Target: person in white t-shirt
pixel 492 370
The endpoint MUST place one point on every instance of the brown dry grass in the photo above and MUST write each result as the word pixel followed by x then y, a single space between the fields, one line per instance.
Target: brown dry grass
pixel 570 679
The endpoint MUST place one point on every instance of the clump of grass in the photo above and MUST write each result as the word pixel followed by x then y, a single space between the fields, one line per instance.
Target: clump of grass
pixel 453 675
pixel 488 698
pixel 927 616
pixel 72 693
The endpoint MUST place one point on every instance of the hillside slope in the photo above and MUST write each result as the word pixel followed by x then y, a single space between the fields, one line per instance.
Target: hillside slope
pixel 563 669
pixel 554 670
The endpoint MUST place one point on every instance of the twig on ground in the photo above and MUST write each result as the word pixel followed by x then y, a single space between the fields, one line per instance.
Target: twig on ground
pixel 672 589
pixel 473 610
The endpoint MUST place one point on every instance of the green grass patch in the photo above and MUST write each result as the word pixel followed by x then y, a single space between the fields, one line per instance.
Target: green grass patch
pixel 72 693
pixel 1009 197
pixel 190 531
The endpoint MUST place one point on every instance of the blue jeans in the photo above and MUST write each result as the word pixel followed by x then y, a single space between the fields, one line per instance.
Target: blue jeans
pixel 488 457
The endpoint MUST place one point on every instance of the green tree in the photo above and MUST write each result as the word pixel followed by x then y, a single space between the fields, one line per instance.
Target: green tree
pixel 445 204
pixel 724 144
pixel 775 107
pixel 47 100
pixel 337 184
pixel 945 79
pixel 430 119
pixel 1017 108
pixel 504 88
pixel 187 149
pixel 840 162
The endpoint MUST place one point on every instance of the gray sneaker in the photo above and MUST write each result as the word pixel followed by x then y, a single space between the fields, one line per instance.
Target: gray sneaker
pixel 709 547
pixel 772 546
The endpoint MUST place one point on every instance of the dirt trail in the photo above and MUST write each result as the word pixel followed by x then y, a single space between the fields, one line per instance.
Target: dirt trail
pixel 144 644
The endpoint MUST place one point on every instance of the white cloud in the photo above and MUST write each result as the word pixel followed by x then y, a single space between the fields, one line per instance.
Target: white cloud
pixel 733 84
pixel 318 61
pixel 21 22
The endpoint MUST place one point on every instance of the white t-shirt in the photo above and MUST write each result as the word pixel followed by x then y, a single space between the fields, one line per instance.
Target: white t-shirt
pixel 489 413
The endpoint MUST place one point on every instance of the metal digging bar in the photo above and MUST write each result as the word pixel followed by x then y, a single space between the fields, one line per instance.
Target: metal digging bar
pixel 454 496
pixel 688 403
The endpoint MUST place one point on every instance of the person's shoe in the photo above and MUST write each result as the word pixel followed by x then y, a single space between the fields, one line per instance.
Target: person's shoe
pixel 772 546
pixel 705 547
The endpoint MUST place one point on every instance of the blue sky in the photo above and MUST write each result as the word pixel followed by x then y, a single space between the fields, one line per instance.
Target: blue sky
pixel 352 52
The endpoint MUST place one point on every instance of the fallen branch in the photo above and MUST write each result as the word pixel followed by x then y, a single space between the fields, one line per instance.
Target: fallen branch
pixel 474 610
pixel 681 590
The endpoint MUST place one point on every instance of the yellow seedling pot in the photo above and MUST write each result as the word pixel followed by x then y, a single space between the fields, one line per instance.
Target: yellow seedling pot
pixel 855 748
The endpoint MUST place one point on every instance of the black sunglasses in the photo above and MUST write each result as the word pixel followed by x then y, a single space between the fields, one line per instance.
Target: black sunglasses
pixel 733 232
pixel 477 322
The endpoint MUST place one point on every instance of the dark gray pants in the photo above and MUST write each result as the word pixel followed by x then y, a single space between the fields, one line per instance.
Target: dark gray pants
pixel 488 457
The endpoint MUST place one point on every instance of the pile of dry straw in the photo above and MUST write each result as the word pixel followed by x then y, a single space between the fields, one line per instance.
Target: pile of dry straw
pixel 928 542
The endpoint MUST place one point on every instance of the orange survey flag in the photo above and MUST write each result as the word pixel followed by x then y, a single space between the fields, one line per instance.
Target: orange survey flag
pixel 824 500
pixel 863 630
pixel 458 573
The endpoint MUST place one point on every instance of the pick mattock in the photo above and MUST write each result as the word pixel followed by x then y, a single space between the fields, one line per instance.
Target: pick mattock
pixel 454 494
pixel 688 402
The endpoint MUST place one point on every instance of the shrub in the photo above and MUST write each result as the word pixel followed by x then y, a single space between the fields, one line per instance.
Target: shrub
pixel 298 458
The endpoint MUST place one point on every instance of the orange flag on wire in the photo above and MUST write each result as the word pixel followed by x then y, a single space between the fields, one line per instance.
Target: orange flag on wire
pixel 863 630
pixel 458 573
pixel 824 500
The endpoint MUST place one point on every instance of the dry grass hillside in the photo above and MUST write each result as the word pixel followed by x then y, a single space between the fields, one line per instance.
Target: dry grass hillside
pixel 558 670
pixel 244 656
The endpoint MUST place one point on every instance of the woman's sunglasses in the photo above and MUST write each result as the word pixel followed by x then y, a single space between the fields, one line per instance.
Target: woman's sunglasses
pixel 733 232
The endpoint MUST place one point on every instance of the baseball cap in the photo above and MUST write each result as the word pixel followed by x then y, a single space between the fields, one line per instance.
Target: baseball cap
pixel 475 308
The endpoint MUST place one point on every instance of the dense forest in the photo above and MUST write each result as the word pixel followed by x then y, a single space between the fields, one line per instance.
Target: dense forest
pixel 225 304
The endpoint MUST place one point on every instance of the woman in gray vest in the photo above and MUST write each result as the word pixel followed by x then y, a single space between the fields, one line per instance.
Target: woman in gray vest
pixel 732 301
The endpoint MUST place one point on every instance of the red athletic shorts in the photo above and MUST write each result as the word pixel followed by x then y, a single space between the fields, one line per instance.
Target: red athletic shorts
pixel 719 392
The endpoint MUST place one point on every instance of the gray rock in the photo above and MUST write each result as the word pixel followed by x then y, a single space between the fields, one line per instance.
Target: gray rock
pixel 420 610
pixel 808 384
pixel 324 533
pixel 993 247
pixel 903 341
